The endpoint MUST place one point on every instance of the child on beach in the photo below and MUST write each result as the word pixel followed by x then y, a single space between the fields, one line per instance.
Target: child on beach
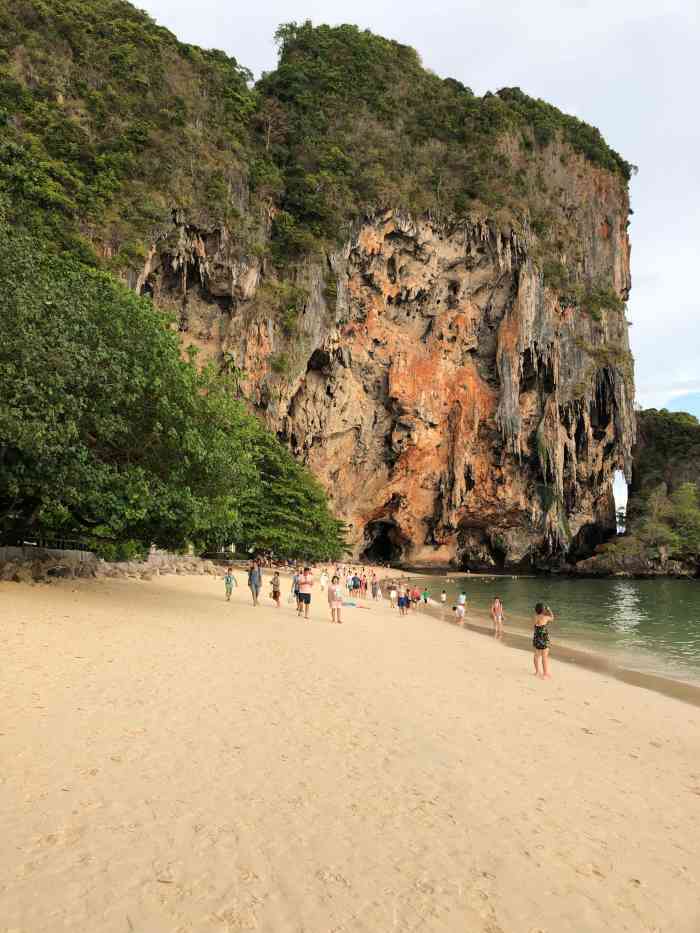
pixel 540 640
pixel 335 599
pixel 276 589
pixel 497 616
pixel 443 598
pixel 459 613
pixel 229 583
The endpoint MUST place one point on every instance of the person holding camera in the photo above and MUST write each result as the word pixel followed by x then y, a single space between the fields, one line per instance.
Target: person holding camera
pixel 540 639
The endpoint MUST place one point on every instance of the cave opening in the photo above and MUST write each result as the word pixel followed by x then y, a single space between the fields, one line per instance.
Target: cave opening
pixel 384 542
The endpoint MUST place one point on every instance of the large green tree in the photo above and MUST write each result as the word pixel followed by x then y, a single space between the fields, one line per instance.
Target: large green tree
pixel 106 430
pixel 287 513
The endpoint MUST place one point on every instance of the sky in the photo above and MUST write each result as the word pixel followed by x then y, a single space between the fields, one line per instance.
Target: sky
pixel 629 67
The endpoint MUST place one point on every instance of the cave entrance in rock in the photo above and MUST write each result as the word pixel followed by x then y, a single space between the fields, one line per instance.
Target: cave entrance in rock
pixel 384 542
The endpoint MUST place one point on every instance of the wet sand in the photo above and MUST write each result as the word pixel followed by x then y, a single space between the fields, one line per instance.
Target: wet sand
pixel 174 763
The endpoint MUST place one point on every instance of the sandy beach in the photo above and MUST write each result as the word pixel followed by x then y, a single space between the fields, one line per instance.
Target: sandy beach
pixel 171 763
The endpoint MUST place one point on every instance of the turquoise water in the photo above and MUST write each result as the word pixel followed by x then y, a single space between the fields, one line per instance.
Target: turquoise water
pixel 645 625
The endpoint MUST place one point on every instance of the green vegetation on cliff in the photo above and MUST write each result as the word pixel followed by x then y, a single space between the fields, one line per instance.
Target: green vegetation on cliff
pixel 353 123
pixel 108 123
pixel 106 431
pixel 667 451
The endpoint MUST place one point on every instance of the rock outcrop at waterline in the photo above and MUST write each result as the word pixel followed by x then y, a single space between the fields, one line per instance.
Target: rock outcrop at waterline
pixel 452 407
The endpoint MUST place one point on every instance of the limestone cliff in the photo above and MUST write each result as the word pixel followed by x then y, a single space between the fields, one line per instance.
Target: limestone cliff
pixel 456 409
pixel 419 289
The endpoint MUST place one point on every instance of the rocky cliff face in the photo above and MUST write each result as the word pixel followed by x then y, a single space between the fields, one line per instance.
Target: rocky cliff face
pixel 456 408
pixel 456 372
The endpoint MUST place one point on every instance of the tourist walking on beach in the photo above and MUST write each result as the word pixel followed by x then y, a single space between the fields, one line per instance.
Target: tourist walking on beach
pixel 323 580
pixel 461 608
pixel 426 596
pixel 497 616
pixel 306 581
pixel 254 580
pixel 443 599
pixel 393 593
pixel 404 601
pixel 540 639
pixel 229 583
pixel 276 588
pixel 462 601
pixel 335 599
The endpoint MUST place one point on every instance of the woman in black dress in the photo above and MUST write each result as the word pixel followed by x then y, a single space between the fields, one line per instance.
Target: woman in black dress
pixel 540 639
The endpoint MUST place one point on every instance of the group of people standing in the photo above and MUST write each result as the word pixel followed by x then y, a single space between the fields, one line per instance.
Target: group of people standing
pixel 355 582
pixel 349 582
pixel 406 598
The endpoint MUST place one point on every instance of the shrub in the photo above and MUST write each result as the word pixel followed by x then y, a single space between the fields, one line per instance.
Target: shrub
pixel 280 364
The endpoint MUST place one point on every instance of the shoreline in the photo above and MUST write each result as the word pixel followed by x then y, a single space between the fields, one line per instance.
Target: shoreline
pixel 580 657
pixel 529 574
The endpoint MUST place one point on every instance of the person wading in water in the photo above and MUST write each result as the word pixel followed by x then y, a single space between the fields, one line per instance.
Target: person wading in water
pixel 497 616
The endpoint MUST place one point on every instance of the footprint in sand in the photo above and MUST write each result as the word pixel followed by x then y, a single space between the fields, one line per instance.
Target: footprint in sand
pixel 590 870
pixel 325 874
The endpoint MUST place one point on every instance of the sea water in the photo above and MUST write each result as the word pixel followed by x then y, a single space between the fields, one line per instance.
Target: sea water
pixel 652 626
